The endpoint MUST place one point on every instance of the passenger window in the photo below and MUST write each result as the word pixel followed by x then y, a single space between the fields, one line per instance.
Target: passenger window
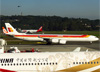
pixel 85 62
pixel 76 62
pixel 73 62
pixel 82 62
pixel 8 64
pixel 50 63
pixel 79 62
pixel 56 63
pixel 14 64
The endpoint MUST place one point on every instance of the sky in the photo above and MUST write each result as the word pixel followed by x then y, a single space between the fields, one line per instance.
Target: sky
pixel 64 8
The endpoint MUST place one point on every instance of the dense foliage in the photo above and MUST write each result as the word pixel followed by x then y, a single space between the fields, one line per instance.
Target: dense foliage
pixel 51 23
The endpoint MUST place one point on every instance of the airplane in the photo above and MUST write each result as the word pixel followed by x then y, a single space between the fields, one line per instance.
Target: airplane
pixel 10 32
pixel 49 38
pixel 32 31
pixel 50 62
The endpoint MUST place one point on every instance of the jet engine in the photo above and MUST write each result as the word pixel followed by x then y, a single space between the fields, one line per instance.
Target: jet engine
pixel 55 40
pixel 62 41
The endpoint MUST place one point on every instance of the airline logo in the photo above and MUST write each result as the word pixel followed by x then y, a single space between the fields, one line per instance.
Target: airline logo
pixel 10 29
pixel 10 60
pixel 6 60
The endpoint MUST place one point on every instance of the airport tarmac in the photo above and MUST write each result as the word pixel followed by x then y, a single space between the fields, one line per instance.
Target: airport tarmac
pixel 70 46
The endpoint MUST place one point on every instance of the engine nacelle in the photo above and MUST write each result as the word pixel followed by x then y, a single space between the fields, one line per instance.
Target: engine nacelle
pixel 55 40
pixel 62 41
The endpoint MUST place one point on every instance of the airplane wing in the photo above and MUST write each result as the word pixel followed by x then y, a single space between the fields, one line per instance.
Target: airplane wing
pixel 54 40
pixel 77 49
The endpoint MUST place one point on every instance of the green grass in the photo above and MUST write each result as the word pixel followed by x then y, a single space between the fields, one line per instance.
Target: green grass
pixel 11 40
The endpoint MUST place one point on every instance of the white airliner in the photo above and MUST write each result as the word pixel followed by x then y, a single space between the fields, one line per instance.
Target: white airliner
pixel 32 31
pixel 50 38
pixel 50 62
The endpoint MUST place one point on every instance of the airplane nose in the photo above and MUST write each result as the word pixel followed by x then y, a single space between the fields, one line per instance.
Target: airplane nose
pixel 96 39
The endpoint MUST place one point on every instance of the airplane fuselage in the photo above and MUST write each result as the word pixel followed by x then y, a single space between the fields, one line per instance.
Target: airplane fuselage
pixel 56 37
pixel 51 61
pixel 31 31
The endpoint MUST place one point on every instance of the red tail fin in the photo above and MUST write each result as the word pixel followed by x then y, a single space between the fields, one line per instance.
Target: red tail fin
pixel 40 29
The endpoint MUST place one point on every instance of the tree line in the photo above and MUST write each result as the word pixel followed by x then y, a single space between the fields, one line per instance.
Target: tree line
pixel 51 23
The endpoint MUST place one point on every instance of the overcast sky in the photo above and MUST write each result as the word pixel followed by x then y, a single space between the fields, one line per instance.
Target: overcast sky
pixel 64 8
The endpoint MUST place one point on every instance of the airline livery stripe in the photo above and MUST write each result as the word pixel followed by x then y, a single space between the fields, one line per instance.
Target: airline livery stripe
pixel 90 69
pixel 98 70
pixel 4 70
pixel 64 36
pixel 81 67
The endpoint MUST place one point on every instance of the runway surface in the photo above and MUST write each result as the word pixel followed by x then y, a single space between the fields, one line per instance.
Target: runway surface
pixel 70 46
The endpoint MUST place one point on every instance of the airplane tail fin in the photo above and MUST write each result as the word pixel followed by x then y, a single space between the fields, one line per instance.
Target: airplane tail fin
pixel 77 49
pixel 40 29
pixel 4 30
pixel 10 28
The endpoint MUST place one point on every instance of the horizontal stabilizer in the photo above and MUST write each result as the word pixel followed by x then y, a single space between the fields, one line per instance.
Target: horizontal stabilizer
pixel 4 30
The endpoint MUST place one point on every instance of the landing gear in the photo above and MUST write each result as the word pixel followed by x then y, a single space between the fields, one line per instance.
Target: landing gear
pixel 49 43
